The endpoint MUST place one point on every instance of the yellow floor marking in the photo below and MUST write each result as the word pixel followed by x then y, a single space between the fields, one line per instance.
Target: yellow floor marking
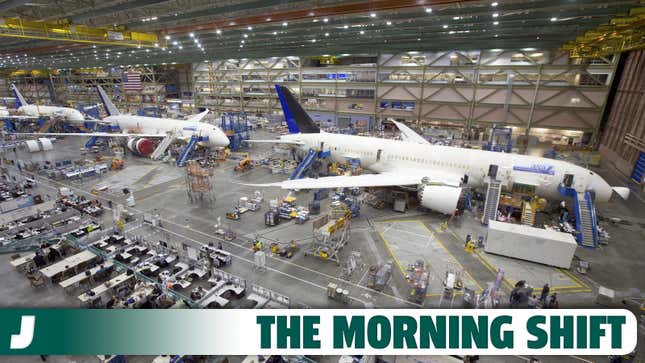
pixel 450 253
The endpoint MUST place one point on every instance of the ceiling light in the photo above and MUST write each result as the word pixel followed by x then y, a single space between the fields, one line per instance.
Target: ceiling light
pixel 275 33
pixel 250 28
pixel 242 42
pixel 496 50
pixel 373 15
pixel 528 49
pixel 167 37
pixel 362 31
pixel 493 4
pixel 451 32
pixel 346 26
pixel 313 40
pixel 388 22
pixel 175 43
pixel 455 18
pixel 268 19
pixel 495 15
pixel 180 47
pixel 325 20
pixel 326 34
pixel 495 22
pixel 245 35
pixel 496 35
pixel 218 31
pixel 428 10
pixel 285 23
pixel 192 35
pixel 445 26
pixel 554 19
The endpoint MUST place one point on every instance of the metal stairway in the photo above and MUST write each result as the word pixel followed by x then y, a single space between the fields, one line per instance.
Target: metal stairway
pixel 585 212
pixel 92 141
pixel 304 165
pixel 45 124
pixel 492 200
pixel 163 146
pixel 188 150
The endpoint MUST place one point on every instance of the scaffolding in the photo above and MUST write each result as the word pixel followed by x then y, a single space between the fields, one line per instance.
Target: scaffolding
pixel 331 233
pixel 199 183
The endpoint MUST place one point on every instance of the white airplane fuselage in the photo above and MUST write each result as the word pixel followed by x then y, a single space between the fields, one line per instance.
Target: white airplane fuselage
pixel 182 128
pixel 385 155
pixel 72 115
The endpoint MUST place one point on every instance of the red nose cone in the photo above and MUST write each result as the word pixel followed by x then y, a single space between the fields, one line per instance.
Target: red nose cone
pixel 144 147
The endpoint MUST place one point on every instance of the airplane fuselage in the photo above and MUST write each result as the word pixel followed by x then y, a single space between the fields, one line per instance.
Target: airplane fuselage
pixel 182 128
pixel 70 114
pixel 385 155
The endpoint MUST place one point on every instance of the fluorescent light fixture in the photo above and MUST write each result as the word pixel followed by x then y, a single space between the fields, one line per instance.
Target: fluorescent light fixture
pixel 528 49
pixel 325 20
pixel 373 15
pixel 494 4
pixel 495 15
pixel 250 28
pixel 445 26
pixel 388 22
pixel 495 22
pixel 428 10
pixel 362 31
pixel 285 23
pixel 554 19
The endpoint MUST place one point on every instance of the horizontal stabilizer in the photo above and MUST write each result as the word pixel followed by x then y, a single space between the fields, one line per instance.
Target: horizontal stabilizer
pixel 622 191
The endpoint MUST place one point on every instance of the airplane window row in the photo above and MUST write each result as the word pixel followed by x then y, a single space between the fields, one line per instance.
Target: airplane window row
pixel 428 161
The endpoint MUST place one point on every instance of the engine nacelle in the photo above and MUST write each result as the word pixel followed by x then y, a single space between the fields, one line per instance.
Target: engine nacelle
pixel 440 198
pixel 141 146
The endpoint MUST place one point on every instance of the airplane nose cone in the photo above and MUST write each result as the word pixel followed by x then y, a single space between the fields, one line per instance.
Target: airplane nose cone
pixel 220 139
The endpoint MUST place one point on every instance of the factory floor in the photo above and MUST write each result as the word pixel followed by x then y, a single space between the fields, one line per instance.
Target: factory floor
pixel 379 235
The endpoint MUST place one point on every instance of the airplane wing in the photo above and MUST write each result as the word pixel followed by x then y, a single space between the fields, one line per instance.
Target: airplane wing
pixel 88 134
pixel 198 117
pixel 391 178
pixel 19 117
pixel 410 135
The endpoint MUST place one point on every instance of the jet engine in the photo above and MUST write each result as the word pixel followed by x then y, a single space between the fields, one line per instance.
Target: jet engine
pixel 141 146
pixel 440 198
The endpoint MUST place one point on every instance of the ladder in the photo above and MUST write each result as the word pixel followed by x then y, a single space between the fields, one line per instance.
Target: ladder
pixel 492 200
pixel 528 217
pixel 163 146
pixel 188 151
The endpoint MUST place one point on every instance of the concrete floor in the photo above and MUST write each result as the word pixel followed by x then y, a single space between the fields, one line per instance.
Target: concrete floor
pixel 379 236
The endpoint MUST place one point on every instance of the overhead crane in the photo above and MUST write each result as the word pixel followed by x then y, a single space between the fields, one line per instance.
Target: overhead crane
pixel 619 35
pixel 62 30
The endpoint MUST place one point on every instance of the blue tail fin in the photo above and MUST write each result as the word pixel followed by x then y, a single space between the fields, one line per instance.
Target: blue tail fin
pixel 20 101
pixel 296 117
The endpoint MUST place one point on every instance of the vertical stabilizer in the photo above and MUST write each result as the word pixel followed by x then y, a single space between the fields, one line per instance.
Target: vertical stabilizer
pixel 110 108
pixel 296 117
pixel 20 101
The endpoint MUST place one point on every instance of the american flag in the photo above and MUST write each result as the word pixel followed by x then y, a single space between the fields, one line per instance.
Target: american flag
pixel 132 81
